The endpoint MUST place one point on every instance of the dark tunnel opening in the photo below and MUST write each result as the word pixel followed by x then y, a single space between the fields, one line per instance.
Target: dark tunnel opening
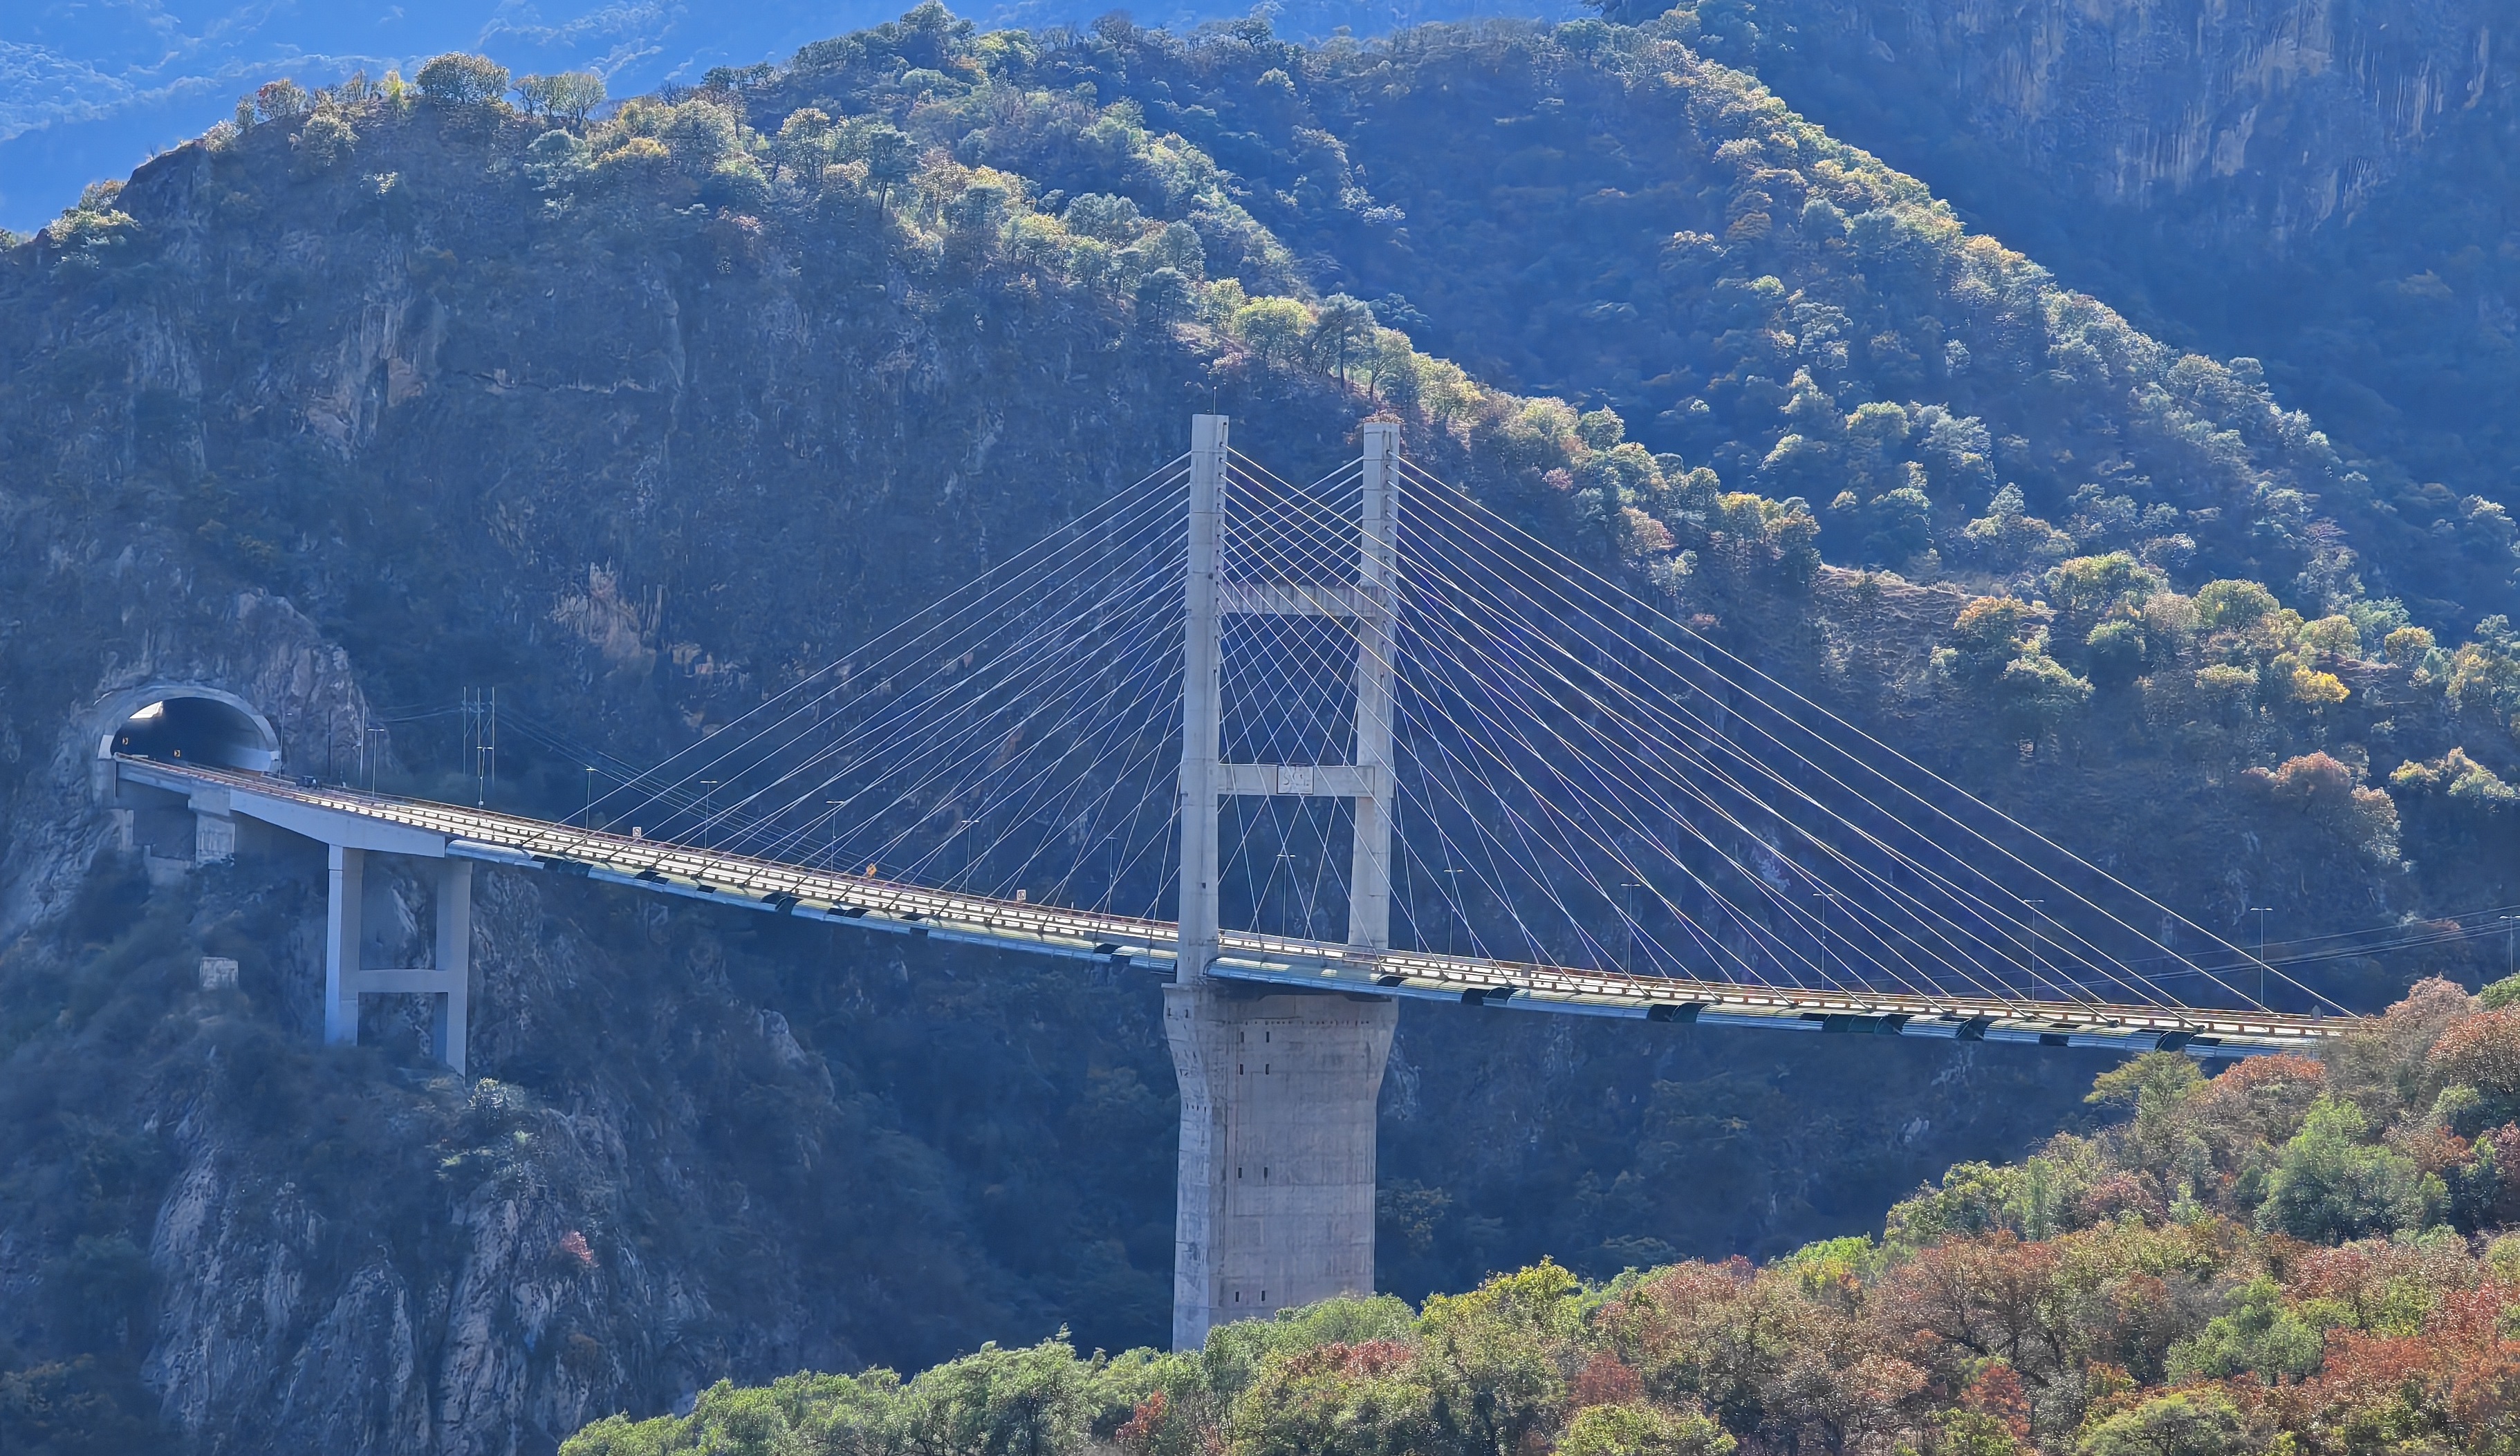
pixel 198 731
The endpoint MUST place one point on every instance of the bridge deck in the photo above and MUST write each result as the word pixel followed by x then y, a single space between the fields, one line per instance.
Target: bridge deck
pixel 875 904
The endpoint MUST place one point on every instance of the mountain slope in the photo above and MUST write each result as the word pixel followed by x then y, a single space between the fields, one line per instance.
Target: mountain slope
pixel 1643 229
pixel 379 399
pixel 385 396
pixel 2326 189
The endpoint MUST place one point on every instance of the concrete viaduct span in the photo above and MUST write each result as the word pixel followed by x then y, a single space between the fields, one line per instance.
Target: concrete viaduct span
pixel 1279 1040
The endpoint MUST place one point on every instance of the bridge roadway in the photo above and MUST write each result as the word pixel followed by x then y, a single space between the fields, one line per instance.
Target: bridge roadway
pixel 871 902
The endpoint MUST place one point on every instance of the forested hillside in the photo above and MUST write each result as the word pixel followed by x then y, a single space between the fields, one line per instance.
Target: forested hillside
pixel 397 389
pixel 2294 1257
pixel 2326 190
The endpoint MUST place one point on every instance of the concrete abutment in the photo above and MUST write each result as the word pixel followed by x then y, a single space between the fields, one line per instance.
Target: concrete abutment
pixel 178 823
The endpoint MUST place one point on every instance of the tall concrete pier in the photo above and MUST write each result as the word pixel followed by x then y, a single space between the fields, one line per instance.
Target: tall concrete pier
pixel 1277 1089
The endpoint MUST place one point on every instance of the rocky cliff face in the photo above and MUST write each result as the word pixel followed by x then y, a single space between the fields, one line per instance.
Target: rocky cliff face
pixel 2274 117
pixel 2259 121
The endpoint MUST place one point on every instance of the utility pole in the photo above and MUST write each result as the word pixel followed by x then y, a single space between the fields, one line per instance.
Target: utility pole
pixel 2260 911
pixel 481 740
pixel 2035 906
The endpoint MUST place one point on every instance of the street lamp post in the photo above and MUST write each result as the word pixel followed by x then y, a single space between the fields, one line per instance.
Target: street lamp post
pixel 2260 911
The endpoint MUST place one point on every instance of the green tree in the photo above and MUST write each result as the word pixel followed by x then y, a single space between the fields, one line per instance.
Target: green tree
pixel 1165 296
pixel 456 79
pixel 1339 1399
pixel 2258 1337
pixel 1642 1430
pixel 2235 605
pixel 1001 1403
pixel 1338 329
pixel 2331 1186
pixel 2184 1422
pixel 890 158
pixel 1498 1356
pixel 281 101
pixel 1271 327
pixel 566 96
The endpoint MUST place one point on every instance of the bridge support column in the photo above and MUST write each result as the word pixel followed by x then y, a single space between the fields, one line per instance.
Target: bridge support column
pixel 451 1015
pixel 1276 1182
pixel 347 894
pixel 347 977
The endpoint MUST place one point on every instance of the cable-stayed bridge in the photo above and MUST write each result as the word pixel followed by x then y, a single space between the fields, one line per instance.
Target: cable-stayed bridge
pixel 1312 748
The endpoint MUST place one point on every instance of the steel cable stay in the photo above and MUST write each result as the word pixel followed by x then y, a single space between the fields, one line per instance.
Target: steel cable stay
pixel 1661 627
pixel 1281 504
pixel 885 724
pixel 1284 661
pixel 1637 619
pixel 1129 510
pixel 906 713
pixel 1521 663
pixel 1506 896
pixel 1508 764
pixel 1526 827
pixel 1132 511
pixel 949 775
pixel 1698 768
pixel 1881 929
pixel 1541 880
pixel 1141 683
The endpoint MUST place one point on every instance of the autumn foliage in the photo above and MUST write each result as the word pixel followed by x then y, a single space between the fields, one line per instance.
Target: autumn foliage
pixel 2294 1257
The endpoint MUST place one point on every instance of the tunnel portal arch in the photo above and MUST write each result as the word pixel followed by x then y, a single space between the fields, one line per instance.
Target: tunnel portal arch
pixel 188 723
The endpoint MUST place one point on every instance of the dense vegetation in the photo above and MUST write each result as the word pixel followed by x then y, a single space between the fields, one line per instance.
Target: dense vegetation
pixel 1643 229
pixel 641 410
pixel 2294 1257
pixel 2340 219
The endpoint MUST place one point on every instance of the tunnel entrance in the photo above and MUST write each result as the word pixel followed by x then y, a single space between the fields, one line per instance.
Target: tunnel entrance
pixel 197 726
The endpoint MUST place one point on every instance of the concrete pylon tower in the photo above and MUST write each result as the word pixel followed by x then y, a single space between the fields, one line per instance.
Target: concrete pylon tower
pixel 1277 1089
